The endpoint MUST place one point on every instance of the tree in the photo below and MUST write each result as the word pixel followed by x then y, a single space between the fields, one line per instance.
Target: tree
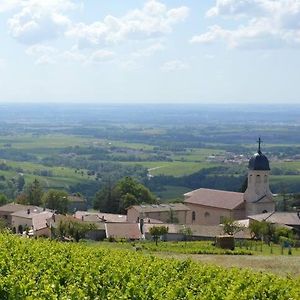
pixel 230 226
pixel 74 229
pixel 187 232
pixel 157 231
pixel 56 200
pixel 22 199
pixel 262 230
pixel 34 193
pixel 131 192
pixel 126 192
pixel 20 183
pixel 3 199
pixel 105 199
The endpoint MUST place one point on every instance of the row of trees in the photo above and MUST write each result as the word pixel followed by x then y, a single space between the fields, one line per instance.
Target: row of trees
pixel 52 199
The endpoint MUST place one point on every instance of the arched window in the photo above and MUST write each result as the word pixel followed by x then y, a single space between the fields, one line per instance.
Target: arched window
pixel 206 214
pixel 193 216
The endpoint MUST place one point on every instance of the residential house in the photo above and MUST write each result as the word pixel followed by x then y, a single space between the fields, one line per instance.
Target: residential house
pixel 168 213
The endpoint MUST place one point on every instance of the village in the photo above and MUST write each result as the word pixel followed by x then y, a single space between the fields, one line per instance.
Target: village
pixel 202 212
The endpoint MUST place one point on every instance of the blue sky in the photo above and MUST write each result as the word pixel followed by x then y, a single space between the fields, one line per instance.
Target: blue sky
pixel 212 51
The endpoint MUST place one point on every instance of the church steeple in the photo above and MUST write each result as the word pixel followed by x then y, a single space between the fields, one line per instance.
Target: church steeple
pixel 258 196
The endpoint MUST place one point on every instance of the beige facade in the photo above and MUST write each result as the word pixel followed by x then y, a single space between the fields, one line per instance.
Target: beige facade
pixel 168 213
pixel 205 215
pixel 35 222
pixel 20 224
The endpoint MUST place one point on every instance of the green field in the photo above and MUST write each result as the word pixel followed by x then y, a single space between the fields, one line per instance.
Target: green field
pixel 53 270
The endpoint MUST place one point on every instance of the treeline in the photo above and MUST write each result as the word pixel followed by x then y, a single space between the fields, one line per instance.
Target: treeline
pixel 214 178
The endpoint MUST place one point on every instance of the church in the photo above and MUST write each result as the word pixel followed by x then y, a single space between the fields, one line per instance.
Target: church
pixel 210 207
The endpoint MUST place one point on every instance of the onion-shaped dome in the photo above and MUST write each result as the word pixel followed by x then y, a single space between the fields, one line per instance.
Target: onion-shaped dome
pixel 259 162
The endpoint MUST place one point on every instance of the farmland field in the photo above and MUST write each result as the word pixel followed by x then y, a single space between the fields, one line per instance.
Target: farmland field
pixel 52 270
pixel 84 148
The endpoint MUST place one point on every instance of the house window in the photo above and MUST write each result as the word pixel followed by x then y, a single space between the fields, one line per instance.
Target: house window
pixel 193 216
pixel 206 214
pixel 264 211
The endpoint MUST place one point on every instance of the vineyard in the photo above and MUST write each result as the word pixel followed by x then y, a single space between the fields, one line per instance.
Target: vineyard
pixel 43 269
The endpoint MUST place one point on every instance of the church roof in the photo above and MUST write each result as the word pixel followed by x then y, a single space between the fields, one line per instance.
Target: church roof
pixel 215 198
pixel 147 208
pixel 259 162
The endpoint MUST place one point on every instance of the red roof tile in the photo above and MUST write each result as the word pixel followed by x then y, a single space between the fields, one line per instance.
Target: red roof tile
pixel 214 198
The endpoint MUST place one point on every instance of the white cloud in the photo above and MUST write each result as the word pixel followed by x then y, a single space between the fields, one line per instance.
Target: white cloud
pixel 149 51
pixel 7 5
pixel 101 56
pixel 73 55
pixel 264 24
pixel 43 54
pixel 152 21
pixel 37 20
pixel 174 65
pixel 130 65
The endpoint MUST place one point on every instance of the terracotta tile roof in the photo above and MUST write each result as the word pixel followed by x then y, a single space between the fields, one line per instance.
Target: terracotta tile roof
pixel 13 207
pixel 123 230
pixel 159 207
pixel 100 217
pixel 287 218
pixel 39 221
pixel 215 198
pixel 28 213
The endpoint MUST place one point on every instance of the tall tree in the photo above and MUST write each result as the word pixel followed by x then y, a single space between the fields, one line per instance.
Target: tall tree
pixel 35 193
pixel 125 193
pixel 56 200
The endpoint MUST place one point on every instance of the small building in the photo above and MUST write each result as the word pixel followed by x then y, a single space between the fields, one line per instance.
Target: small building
pixel 7 209
pixel 168 213
pixel 128 231
pixel 96 234
pixel 76 202
pixel 34 220
pixel 291 219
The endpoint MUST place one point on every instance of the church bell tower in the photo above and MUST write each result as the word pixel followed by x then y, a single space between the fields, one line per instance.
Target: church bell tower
pixel 258 197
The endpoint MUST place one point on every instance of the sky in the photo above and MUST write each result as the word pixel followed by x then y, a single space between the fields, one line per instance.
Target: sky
pixel 154 51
